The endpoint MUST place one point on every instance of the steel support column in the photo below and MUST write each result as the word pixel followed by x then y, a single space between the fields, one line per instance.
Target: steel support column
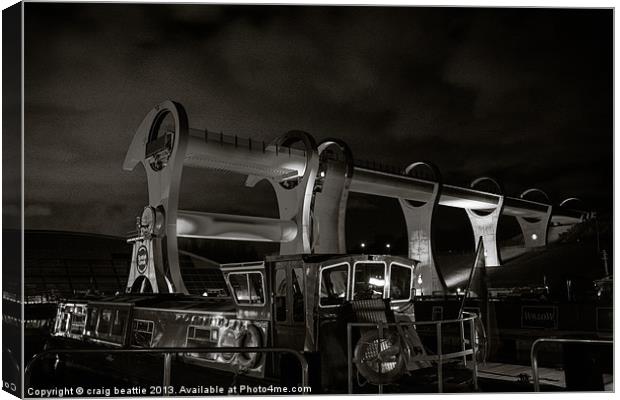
pixel 331 193
pixel 484 225
pixel 295 195
pixel 535 229
pixel 419 219
pixel 160 144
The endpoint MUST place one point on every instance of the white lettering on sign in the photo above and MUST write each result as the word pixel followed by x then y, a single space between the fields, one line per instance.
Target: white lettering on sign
pixel 539 317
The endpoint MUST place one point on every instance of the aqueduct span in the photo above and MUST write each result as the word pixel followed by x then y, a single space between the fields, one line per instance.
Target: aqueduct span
pixel 311 181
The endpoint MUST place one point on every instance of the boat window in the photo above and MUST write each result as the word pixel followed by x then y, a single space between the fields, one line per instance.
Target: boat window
pixel 240 287
pixel 78 320
pixel 119 322
pixel 334 281
pixel 91 322
pixel 256 288
pixel 401 278
pixel 280 294
pixel 142 332
pixel 62 321
pixel 58 322
pixel 298 294
pixel 368 280
pixel 105 322
pixel 65 322
pixel 247 287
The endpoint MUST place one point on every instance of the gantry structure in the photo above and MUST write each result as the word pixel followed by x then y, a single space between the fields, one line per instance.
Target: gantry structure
pixel 311 182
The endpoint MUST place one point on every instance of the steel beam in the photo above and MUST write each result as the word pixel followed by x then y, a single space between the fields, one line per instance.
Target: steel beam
pixel 311 192
pixel 203 225
pixel 223 152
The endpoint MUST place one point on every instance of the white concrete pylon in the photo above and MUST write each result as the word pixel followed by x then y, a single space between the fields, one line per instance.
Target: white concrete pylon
pixel 419 218
pixel 535 229
pixel 484 225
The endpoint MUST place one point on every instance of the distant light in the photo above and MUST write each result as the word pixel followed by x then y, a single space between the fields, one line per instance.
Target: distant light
pixel 458 290
pixel 534 236
pixel 363 245
pixel 420 279
pixel 387 246
pixel 376 282
pixel 322 174
pixel 205 294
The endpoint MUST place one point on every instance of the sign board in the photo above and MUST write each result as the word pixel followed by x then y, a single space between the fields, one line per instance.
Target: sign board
pixel 544 317
pixel 142 259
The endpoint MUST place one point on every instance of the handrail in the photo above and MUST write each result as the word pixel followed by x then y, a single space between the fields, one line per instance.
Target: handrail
pixel 439 357
pixel 168 351
pixel 535 348
pixel 472 316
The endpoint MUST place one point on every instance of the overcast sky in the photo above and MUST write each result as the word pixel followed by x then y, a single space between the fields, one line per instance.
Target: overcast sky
pixel 521 95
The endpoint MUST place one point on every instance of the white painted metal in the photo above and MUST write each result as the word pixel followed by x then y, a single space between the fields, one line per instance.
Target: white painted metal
pixel 204 225
pixel 285 163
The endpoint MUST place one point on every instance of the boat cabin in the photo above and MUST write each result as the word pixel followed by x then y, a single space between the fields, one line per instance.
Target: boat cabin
pixel 297 302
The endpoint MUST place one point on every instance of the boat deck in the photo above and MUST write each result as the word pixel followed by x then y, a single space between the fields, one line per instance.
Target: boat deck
pixel 521 373
pixel 552 378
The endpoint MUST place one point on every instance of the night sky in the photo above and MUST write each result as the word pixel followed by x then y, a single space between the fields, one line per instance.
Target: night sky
pixel 523 95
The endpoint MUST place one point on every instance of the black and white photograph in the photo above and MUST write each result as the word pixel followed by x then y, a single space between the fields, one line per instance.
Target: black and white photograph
pixel 306 199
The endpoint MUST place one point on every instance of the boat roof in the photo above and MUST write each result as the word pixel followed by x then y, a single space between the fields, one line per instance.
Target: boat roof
pixel 319 258
pixel 176 302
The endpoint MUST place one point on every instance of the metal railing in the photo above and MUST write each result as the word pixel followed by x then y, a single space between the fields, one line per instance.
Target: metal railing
pixel 536 345
pixel 244 142
pixel 440 357
pixel 168 352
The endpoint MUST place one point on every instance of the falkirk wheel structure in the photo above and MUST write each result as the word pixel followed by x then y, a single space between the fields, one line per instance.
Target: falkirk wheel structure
pixel 311 181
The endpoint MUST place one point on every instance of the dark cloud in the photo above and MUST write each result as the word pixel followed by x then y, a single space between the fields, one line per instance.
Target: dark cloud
pixel 521 94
